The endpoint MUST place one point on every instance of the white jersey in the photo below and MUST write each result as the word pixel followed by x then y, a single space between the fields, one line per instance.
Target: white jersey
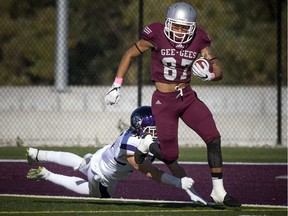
pixel 106 165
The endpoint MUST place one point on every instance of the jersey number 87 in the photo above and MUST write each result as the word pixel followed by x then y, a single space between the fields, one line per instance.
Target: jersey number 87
pixel 170 71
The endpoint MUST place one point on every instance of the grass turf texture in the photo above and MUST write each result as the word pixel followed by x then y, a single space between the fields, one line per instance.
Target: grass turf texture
pixel 193 154
pixel 60 206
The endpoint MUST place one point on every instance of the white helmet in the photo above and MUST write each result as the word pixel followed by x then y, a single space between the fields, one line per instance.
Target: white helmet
pixel 182 14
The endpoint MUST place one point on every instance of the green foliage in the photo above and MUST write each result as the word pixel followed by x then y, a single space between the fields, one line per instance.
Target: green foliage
pixel 244 35
pixel 28 31
pixel 98 31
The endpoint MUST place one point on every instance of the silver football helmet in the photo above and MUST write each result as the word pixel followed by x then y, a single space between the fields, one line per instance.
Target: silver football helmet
pixel 180 15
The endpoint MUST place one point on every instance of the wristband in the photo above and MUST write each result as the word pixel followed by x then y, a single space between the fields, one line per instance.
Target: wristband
pixel 212 76
pixel 118 81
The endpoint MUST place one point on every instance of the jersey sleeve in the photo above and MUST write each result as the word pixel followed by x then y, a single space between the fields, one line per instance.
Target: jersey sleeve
pixel 128 145
pixel 150 32
pixel 204 39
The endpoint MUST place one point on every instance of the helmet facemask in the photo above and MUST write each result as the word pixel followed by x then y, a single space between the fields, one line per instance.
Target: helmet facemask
pixel 152 131
pixel 179 37
pixel 180 23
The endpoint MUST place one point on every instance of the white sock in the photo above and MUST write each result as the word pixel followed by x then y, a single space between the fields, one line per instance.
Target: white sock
pixel 72 183
pixel 218 192
pixel 62 158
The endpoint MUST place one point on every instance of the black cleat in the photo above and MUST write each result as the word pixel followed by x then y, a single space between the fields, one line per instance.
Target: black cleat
pixel 230 201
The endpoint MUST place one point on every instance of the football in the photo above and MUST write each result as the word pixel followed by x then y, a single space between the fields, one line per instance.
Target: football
pixel 204 62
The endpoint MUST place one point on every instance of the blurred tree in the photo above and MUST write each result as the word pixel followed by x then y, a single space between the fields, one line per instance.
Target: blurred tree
pixel 244 35
pixel 27 42
pixel 99 35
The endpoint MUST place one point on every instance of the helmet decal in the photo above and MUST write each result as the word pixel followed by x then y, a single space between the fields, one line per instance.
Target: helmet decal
pixel 136 121
pixel 142 121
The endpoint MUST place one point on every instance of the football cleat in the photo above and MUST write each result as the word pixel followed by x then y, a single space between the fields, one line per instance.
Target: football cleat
pixel 32 154
pixel 230 201
pixel 38 174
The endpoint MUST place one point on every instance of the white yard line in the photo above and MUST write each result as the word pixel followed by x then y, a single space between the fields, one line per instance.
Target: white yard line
pixel 115 200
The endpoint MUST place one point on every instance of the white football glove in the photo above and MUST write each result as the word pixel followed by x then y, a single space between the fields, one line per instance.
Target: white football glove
pixel 143 148
pixel 145 141
pixel 201 70
pixel 113 95
pixel 195 197
pixel 186 183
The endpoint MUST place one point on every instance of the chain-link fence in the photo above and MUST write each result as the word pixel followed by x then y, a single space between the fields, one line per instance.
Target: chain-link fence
pixel 54 74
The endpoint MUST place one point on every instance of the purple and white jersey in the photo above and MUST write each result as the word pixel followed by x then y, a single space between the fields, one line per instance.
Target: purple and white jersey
pixel 171 63
pixel 106 163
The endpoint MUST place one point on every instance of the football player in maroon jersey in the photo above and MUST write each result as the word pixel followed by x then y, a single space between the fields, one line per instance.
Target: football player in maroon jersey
pixel 174 46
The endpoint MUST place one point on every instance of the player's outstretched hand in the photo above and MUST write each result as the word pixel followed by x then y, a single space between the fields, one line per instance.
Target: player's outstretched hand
pixel 186 183
pixel 113 95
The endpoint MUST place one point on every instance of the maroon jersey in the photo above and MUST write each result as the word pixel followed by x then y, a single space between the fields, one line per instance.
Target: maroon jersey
pixel 171 63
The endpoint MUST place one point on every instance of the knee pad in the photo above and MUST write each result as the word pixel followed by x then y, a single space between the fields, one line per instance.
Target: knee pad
pixel 169 148
pixel 169 156
pixel 155 149
pixel 169 162
pixel 214 153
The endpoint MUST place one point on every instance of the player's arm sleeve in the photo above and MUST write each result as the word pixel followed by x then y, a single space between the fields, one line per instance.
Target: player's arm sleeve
pixel 205 40
pixel 156 174
pixel 150 34
pixel 126 149
pixel 146 168
pixel 128 146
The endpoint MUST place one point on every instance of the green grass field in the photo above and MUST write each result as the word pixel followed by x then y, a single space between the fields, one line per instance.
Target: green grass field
pixel 194 154
pixel 31 205
pixel 60 206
